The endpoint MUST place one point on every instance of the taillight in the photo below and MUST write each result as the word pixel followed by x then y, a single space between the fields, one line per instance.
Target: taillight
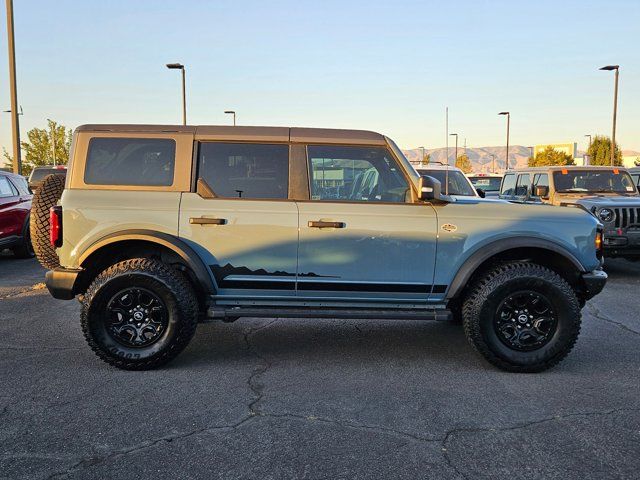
pixel 55 226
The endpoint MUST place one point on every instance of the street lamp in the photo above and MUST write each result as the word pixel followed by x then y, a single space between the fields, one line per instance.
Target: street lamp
pixel 615 107
pixel 179 66
pixel 587 155
pixel 508 124
pixel 455 135
pixel 493 162
pixel 232 112
pixel 422 157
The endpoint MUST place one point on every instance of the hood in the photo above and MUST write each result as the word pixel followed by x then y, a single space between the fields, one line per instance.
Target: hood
pixel 601 201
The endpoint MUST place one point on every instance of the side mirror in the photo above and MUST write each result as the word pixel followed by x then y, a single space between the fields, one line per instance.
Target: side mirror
pixel 429 188
pixel 481 192
pixel 541 191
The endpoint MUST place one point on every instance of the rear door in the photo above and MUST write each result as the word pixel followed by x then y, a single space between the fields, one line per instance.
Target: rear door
pixel 10 212
pixel 241 221
pixel 361 237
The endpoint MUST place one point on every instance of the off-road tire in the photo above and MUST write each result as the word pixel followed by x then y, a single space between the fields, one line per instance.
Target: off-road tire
pixel 25 249
pixel 480 309
pixel 168 284
pixel 45 197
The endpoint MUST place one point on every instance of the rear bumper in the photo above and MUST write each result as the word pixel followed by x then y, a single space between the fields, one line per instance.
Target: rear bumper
pixel 593 283
pixel 61 283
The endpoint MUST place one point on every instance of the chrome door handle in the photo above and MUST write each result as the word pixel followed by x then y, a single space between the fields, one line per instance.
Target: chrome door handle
pixel 207 221
pixel 321 224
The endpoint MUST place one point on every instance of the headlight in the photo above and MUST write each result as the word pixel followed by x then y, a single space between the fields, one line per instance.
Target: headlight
pixel 606 215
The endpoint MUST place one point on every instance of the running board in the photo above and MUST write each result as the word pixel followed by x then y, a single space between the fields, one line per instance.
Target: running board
pixel 310 312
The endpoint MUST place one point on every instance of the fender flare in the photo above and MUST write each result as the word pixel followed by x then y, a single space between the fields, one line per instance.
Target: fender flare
pixel 485 252
pixel 173 243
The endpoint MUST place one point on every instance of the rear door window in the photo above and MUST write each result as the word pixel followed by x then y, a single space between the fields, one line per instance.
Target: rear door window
pixel 245 170
pixel 130 161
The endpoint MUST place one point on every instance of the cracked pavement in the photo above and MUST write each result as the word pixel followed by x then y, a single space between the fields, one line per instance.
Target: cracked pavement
pixel 316 399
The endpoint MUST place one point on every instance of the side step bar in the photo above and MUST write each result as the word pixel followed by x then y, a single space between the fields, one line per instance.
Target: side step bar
pixel 311 312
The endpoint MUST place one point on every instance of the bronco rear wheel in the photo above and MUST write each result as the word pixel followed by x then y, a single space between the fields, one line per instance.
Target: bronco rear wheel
pixel 45 197
pixel 139 314
pixel 522 317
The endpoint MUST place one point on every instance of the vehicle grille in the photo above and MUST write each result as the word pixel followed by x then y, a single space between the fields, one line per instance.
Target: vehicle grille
pixel 626 217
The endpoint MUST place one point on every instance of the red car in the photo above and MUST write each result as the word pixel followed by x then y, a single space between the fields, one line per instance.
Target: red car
pixel 15 205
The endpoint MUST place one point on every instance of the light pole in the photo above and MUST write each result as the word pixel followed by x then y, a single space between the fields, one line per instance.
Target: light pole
pixel 493 163
pixel 15 123
pixel 615 108
pixel 456 158
pixel 589 148
pixel 232 112
pixel 508 125
pixel 179 66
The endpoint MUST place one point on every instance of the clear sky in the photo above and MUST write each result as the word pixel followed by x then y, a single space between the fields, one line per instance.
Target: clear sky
pixel 388 66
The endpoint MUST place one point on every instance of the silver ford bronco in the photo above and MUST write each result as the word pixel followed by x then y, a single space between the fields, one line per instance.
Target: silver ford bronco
pixel 158 227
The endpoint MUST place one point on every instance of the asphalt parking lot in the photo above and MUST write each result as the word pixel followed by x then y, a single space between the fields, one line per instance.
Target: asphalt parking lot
pixel 324 399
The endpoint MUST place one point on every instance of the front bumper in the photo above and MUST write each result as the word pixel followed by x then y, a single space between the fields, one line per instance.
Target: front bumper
pixel 593 282
pixel 61 282
pixel 622 243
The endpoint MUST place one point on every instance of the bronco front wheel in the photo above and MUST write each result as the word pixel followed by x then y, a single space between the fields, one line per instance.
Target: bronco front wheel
pixel 522 317
pixel 139 314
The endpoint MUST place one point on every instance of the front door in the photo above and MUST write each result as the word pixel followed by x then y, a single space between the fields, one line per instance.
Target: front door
pixel 241 221
pixel 361 238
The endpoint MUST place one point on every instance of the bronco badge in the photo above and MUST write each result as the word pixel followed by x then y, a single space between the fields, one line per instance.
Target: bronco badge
pixel 449 227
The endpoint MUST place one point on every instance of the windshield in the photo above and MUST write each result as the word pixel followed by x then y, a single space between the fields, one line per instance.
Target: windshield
pixel 593 181
pixel 458 183
pixel 39 173
pixel 488 184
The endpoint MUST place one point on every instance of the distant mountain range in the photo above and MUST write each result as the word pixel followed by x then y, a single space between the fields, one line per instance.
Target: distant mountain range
pixel 481 157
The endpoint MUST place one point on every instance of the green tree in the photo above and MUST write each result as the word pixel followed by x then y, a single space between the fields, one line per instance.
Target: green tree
pixel 464 164
pixel 426 158
pixel 600 152
pixel 45 146
pixel 550 156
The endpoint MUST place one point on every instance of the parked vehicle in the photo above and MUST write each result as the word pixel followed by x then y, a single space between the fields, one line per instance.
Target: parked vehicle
pixel 489 183
pixel 608 193
pixel 164 225
pixel 38 174
pixel 15 204
pixel 459 183
pixel 635 174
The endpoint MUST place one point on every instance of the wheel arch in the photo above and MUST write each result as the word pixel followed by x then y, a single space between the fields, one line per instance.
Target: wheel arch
pixel 130 243
pixel 541 251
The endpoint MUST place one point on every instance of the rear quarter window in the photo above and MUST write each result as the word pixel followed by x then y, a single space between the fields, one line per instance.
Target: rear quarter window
pixel 130 161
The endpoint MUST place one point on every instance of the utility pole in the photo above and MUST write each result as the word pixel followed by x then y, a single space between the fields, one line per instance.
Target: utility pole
pixel 15 123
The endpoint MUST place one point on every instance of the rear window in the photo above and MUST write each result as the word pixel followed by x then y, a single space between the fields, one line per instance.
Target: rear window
pixel 245 170
pixel 130 161
pixel 6 189
pixel 488 184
